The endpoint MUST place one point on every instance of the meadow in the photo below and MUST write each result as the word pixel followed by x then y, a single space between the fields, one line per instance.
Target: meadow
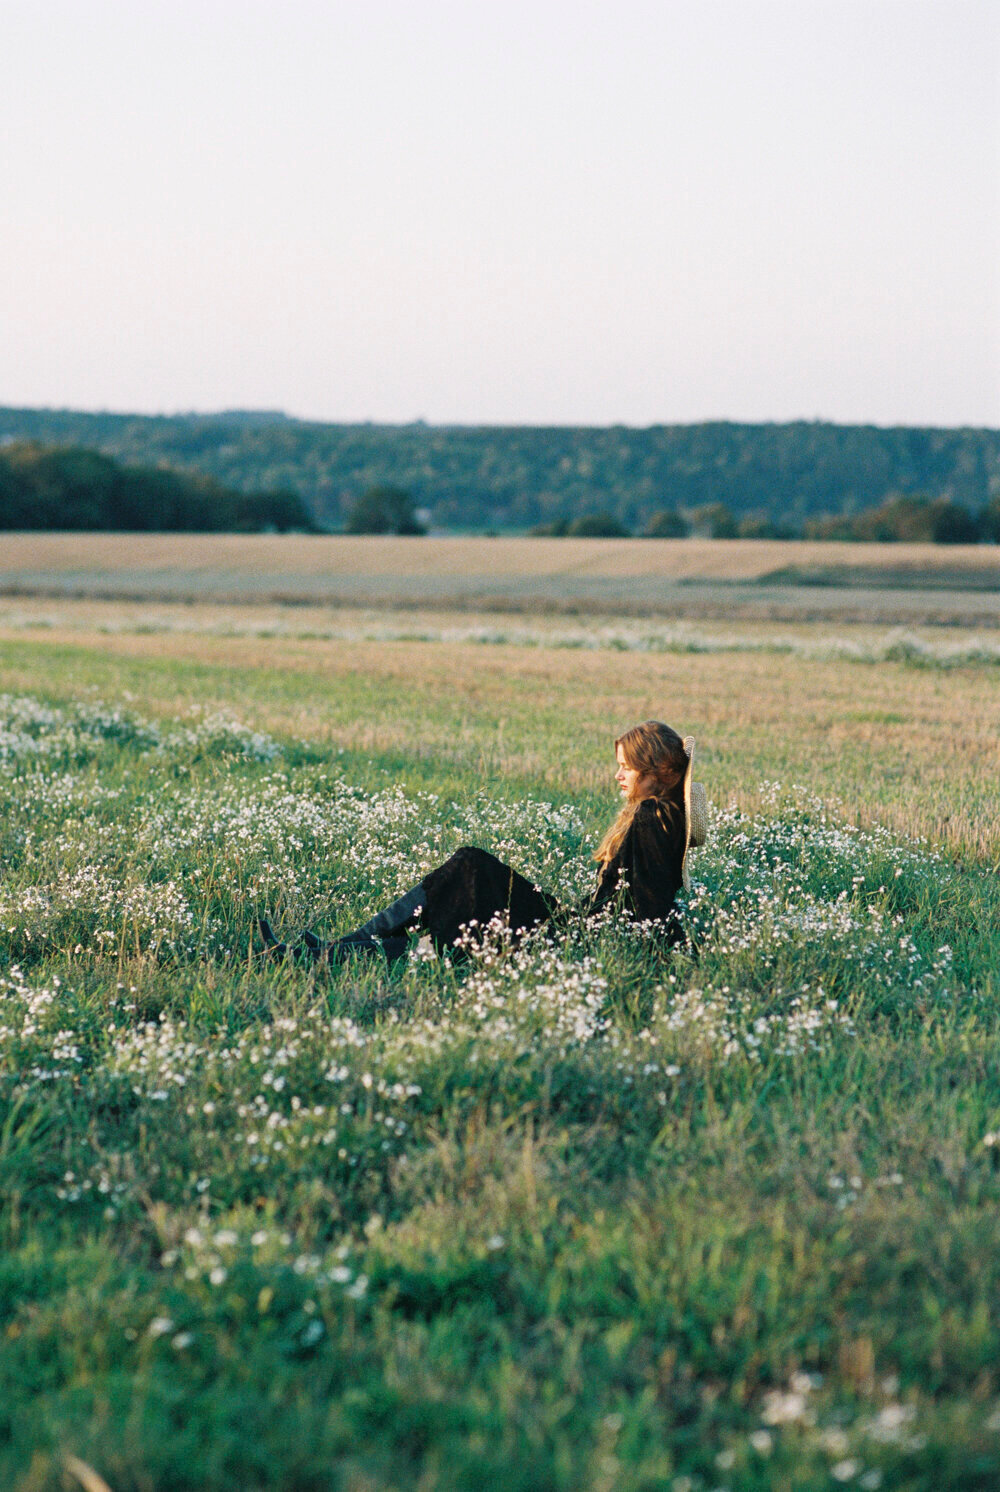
pixel 749 579
pixel 579 1215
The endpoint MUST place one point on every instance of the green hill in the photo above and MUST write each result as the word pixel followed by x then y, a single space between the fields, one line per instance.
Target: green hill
pixel 474 477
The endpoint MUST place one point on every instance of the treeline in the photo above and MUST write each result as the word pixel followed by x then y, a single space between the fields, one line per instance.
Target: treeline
pixel 917 520
pixel 914 520
pixel 68 487
pixel 514 478
pixel 390 510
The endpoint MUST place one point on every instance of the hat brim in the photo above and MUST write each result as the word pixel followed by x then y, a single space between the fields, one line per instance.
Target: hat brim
pixel 689 745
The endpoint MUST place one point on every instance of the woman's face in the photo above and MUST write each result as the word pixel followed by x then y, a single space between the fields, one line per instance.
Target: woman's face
pixel 633 784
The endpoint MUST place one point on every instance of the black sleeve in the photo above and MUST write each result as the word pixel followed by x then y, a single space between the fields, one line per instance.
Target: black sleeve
pixel 647 868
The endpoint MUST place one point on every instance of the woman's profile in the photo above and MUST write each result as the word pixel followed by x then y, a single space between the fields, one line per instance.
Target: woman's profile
pixel 641 868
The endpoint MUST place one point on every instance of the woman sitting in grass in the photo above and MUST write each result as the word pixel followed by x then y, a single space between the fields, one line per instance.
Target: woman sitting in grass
pixel 641 857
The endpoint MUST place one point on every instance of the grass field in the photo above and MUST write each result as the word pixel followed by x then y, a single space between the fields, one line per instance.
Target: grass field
pixel 587 1216
pixel 680 559
pixel 912 584
pixel 66 617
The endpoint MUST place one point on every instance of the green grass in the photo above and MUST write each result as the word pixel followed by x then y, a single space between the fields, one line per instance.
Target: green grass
pixel 581 1215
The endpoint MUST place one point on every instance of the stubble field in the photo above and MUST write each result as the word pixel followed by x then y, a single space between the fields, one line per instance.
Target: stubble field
pixel 749 579
pixel 584 1216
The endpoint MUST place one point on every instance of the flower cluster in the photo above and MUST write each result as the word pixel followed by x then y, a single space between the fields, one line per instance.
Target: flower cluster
pixel 854 1449
pixel 31 729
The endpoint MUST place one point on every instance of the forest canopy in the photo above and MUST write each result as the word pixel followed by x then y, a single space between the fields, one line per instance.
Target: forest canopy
pixel 773 477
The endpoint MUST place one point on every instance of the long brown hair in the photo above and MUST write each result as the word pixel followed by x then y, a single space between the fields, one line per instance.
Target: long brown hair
pixel 655 751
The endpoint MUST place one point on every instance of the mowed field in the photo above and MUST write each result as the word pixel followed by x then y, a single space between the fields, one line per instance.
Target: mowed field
pixel 582 1215
pixel 750 579
pixel 680 559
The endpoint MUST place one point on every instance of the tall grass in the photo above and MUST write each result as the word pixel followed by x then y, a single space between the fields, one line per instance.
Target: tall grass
pixel 581 1214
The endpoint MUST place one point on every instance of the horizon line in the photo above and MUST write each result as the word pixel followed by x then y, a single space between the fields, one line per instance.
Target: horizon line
pixel 281 415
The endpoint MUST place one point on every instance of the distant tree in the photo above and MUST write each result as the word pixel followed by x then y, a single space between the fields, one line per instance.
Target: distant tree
pixel 951 523
pixel 67 487
pixel 759 526
pixel 989 522
pixel 904 519
pixel 900 519
pixel 829 526
pixel 70 487
pixel 597 526
pixel 162 501
pixel 667 524
pixel 383 510
pixel 714 520
pixel 15 497
pixel 557 529
pixel 282 510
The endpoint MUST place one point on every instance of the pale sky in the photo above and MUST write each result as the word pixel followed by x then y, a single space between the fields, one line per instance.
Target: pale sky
pixel 633 211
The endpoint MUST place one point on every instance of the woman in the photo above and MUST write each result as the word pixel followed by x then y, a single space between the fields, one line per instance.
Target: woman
pixel 641 860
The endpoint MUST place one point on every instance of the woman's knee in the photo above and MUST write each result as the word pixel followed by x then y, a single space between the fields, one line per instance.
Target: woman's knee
pixel 470 854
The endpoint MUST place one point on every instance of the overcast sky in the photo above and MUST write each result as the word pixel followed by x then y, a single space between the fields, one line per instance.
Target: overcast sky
pixel 503 211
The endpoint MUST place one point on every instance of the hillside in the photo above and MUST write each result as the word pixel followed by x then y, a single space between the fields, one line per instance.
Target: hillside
pixel 513 477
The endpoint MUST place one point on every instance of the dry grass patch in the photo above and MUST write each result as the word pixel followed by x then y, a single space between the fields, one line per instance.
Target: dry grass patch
pixel 290 554
pixel 749 579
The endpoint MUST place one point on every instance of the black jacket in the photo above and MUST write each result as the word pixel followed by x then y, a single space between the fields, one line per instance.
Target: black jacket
pixel 646 872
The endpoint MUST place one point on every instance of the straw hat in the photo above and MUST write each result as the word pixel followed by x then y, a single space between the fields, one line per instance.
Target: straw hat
pixel 695 811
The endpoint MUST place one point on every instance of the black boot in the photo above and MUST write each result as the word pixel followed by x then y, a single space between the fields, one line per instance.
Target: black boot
pixel 391 949
pixel 272 948
pixel 314 948
pixel 383 933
